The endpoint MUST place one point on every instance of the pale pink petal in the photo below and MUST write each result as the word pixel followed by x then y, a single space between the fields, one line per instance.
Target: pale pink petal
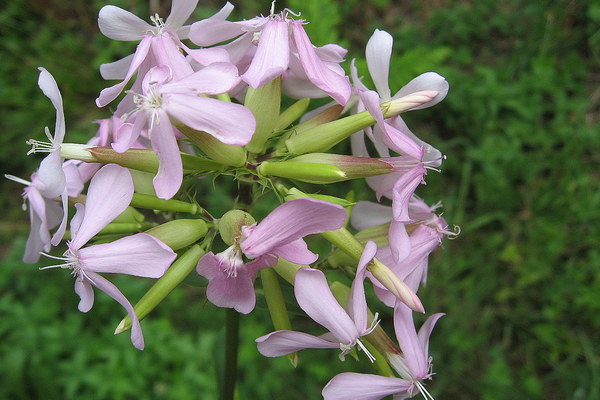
pixel 272 55
pixel 140 255
pixel 337 86
pixel 74 182
pixel 378 54
pixel 51 174
pixel 404 189
pixel 367 214
pixel 77 219
pixel 109 94
pixel 85 291
pixel 109 194
pixel 228 122
pixel 399 241
pixel 291 221
pixel 180 12
pixel 230 292
pixel 426 329
pixel 406 334
pixel 137 338
pixel 208 56
pixel 431 155
pixel 210 31
pixel 280 343
pixel 128 133
pixel 209 266
pixel 60 231
pixel 426 81
pixel 351 385
pixel 118 24
pixel 165 51
pixel 317 301
pixel 117 69
pixel 170 170
pixel 357 303
pixel 48 85
pixel 296 252
pixel 215 79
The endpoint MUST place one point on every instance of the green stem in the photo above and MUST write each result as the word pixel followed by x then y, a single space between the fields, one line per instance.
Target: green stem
pixel 232 328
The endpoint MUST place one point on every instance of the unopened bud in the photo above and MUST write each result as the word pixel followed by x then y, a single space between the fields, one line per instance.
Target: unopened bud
pixel 305 172
pixel 179 233
pixel 395 285
pixel 231 223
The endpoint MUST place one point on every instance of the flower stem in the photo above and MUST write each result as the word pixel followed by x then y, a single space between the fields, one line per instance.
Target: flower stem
pixel 232 328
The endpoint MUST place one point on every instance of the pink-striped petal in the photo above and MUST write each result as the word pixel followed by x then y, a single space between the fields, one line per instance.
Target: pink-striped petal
pixel 351 385
pixel 109 194
pixel 337 86
pixel 280 343
pixel 118 24
pixel 317 301
pixel 228 122
pixel 291 221
pixel 137 338
pixel 272 55
pixel 140 255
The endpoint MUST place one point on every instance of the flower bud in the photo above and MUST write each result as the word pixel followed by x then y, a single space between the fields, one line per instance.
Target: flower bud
pixel 230 225
pixel 291 114
pixel 179 233
pixel 353 167
pixel 305 172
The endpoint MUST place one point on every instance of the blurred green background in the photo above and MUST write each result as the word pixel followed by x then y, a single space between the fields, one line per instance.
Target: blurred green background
pixel 520 286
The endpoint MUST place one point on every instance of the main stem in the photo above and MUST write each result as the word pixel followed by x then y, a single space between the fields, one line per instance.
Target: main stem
pixel 231 352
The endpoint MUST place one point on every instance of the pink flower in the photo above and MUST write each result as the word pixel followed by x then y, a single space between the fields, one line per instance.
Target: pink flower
pixel 268 47
pixel 163 98
pixel 278 235
pixel 413 365
pixel 315 298
pixel 139 255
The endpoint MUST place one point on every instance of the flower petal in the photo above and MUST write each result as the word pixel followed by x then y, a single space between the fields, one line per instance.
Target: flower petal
pixel 399 241
pixel 85 291
pixel 170 168
pixel 291 221
pixel 51 174
pixel 280 343
pixel 404 189
pixel 426 81
pixel 137 338
pixel 379 54
pixel 296 252
pixel 367 214
pixel 337 86
pixel 317 301
pixel 215 29
pixel 216 78
pixel 357 303
pixel 228 122
pixel 110 182
pixel 406 334
pixel 351 385
pixel 48 85
pixel 117 69
pixel 118 24
pixel 140 255
pixel 180 12
pixel 272 55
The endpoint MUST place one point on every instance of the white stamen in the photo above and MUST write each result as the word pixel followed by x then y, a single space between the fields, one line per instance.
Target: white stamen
pixel 423 391
pixel 367 352
pixel 17 179
pixel 38 146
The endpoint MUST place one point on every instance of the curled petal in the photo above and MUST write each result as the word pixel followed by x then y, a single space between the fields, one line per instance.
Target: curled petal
pixel 85 291
pixel 137 338
pixel 403 190
pixel 426 81
pixel 170 170
pixel 280 343
pixel 357 303
pixel 335 85
pixel 48 85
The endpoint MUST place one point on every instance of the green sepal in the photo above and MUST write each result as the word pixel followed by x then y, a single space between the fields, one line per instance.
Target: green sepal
pixel 264 102
pixel 179 233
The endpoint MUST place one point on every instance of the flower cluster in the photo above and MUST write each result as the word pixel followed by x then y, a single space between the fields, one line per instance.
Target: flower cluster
pixel 235 103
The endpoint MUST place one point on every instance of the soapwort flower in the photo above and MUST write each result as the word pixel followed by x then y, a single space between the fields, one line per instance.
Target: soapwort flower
pixel 140 254
pixel 280 234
